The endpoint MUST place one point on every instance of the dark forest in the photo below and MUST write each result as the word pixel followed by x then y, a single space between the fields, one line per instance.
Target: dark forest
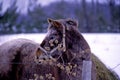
pixel 93 17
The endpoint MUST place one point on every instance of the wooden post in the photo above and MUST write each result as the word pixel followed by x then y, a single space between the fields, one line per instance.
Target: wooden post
pixel 86 70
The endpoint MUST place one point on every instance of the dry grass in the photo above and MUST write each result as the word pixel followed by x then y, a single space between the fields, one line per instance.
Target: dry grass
pixel 102 72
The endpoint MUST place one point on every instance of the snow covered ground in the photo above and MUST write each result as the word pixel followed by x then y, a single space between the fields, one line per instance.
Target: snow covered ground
pixel 105 46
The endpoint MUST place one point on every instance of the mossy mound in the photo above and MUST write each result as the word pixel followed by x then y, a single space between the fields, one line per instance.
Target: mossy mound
pixel 102 72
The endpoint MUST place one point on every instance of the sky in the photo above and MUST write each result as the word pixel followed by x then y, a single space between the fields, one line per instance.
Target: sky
pixel 22 4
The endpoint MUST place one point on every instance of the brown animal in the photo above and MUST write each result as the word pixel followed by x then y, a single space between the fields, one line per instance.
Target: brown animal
pixel 64 49
pixel 74 48
pixel 17 59
pixel 66 44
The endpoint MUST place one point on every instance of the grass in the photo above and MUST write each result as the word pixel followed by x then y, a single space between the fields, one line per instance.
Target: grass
pixel 102 72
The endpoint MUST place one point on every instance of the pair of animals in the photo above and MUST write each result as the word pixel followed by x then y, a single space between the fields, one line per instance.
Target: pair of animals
pixel 68 50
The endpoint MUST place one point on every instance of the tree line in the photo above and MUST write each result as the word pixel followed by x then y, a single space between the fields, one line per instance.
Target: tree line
pixel 93 17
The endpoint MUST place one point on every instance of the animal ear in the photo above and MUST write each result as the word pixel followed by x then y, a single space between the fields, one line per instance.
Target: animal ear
pixel 38 53
pixel 55 23
pixel 72 22
pixel 50 20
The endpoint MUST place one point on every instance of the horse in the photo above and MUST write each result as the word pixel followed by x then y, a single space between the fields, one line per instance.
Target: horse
pixel 17 59
pixel 66 44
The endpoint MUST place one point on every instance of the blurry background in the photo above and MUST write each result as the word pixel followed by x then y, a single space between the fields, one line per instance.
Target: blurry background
pixel 99 22
pixel 29 16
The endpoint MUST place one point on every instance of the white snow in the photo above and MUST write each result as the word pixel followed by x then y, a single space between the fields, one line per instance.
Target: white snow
pixel 105 46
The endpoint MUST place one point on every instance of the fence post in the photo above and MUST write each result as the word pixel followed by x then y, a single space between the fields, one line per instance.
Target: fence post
pixel 86 70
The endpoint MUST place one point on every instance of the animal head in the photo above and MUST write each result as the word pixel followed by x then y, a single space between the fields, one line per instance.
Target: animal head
pixel 57 30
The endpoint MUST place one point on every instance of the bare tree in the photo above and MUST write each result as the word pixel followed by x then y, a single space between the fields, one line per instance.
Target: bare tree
pixel 115 14
pixel 85 16
pixel 92 15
